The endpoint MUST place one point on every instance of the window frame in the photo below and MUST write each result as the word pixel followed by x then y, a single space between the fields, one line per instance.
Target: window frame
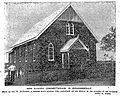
pixel 26 53
pixel 34 47
pixel 49 46
pixel 69 27
pixel 15 56
pixel 10 57
pixel 72 27
pixel 20 54
pixel 63 60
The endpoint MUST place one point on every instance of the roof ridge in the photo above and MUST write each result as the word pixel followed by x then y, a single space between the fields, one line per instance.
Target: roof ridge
pixel 37 29
pixel 53 15
pixel 69 44
pixel 73 41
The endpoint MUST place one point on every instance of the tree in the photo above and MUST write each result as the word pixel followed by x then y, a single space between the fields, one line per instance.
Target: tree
pixel 108 42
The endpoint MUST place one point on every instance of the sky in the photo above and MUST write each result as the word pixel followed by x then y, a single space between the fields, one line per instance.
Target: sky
pixel 20 17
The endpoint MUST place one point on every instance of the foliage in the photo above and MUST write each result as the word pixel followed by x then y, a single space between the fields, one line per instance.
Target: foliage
pixel 57 75
pixel 108 42
pixel 103 71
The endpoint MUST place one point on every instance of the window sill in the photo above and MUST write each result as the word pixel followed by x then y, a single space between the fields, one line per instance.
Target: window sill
pixel 70 34
pixel 51 60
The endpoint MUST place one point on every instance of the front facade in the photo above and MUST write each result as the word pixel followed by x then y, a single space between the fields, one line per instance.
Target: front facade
pixel 63 43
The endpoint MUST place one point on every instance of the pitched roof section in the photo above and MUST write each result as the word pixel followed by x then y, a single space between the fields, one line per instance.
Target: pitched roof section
pixel 41 26
pixel 71 43
pixel 67 46
pixel 9 51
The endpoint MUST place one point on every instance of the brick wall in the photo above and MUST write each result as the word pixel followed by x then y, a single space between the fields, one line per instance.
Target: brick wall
pixel 55 34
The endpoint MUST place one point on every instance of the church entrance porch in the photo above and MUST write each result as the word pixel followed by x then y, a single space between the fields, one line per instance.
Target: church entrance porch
pixel 74 53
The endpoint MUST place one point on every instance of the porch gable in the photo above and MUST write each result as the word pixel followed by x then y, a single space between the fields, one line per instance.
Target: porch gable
pixel 74 43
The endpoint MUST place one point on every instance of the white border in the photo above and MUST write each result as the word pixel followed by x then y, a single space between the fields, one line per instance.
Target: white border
pixel 2 87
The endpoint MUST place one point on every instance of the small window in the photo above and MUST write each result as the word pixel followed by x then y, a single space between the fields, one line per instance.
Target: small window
pixel 69 29
pixel 15 56
pixel 19 54
pixel 34 46
pixel 10 58
pixel 62 60
pixel 50 52
pixel 19 73
pixel 26 53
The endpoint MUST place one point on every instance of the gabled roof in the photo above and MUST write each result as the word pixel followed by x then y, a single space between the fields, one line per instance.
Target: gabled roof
pixel 12 67
pixel 71 43
pixel 9 51
pixel 41 26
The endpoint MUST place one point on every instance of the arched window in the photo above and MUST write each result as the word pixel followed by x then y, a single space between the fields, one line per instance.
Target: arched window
pixel 68 29
pixel 71 29
pixel 50 52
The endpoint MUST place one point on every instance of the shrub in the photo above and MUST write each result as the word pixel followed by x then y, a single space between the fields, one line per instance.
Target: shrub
pixel 33 78
pixel 90 71
pixel 57 75
pixel 50 76
pixel 100 70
